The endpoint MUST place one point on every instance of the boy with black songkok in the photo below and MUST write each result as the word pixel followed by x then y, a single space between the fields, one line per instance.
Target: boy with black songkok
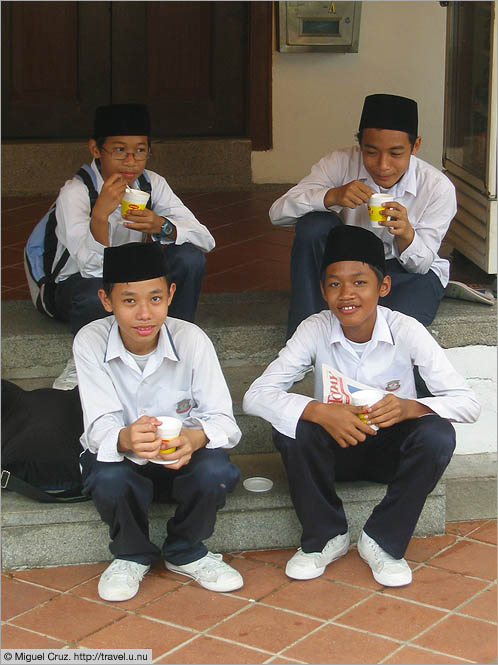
pixel 120 147
pixel 321 443
pixel 133 366
pixel 337 191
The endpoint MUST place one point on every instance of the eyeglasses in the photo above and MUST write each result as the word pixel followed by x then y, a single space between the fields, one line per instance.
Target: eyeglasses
pixel 140 155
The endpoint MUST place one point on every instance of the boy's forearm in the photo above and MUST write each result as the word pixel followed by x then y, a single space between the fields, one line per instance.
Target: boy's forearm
pixel 124 442
pixel 313 412
pixel 197 438
pixel 100 230
pixel 415 409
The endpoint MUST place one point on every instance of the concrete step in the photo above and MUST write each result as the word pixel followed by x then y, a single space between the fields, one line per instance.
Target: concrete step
pixel 187 164
pixel 246 328
pixel 36 535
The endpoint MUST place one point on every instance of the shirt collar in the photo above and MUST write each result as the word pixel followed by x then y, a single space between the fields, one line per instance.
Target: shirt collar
pixel 407 184
pixel 116 349
pixel 381 331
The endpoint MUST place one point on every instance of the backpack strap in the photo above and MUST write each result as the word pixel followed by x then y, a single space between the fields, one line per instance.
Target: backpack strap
pixel 145 186
pixel 11 482
pixel 85 174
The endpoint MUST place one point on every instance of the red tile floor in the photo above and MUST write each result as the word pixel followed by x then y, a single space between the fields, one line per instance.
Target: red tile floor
pixel 250 253
pixel 447 615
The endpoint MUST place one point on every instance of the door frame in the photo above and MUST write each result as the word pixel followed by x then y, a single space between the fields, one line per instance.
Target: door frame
pixel 259 88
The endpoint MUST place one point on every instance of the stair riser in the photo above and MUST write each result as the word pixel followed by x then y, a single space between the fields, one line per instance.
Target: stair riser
pixel 33 546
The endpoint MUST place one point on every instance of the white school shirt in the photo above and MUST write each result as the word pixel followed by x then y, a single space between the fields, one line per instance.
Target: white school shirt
pixel 182 378
pixel 426 193
pixel 86 254
pixel 398 343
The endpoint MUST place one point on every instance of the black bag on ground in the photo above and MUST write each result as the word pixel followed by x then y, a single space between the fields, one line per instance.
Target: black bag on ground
pixel 40 443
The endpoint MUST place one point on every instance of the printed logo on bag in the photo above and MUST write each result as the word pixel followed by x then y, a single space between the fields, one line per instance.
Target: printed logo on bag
pixel 393 385
pixel 184 406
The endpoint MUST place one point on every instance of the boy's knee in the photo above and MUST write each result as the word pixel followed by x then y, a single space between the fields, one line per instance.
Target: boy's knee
pixel 188 259
pixel 111 482
pixel 316 226
pixel 86 298
pixel 304 434
pixel 215 473
pixel 437 438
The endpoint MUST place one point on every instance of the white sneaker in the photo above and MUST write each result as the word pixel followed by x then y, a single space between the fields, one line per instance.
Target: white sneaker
pixel 308 565
pixel 120 581
pixel 68 379
pixel 211 572
pixel 386 569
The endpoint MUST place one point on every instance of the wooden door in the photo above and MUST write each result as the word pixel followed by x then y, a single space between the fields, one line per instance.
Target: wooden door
pixel 193 63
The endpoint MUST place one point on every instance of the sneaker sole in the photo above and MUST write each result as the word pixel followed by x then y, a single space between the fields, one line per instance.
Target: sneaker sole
pixel 207 586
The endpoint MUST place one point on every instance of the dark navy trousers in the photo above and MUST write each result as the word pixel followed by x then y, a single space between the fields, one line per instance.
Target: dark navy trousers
pixel 123 492
pixel 410 457
pixel 77 302
pixel 411 293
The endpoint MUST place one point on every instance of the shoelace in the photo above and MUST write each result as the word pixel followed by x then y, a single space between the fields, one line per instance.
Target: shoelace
pixel 382 557
pixel 209 566
pixel 122 568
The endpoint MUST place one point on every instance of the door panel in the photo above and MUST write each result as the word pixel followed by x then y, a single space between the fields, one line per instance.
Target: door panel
pixel 194 80
pixel 52 74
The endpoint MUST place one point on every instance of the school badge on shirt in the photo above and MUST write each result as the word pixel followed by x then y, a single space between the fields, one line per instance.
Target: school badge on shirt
pixel 184 406
pixel 393 385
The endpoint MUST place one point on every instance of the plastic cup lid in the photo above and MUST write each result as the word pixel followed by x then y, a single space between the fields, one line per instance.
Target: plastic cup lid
pixel 258 484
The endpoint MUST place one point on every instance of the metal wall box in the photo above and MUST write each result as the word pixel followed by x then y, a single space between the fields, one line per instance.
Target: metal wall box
pixel 306 27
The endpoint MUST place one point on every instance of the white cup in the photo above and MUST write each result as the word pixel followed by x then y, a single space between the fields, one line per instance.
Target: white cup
pixel 375 206
pixel 366 398
pixel 133 199
pixel 168 431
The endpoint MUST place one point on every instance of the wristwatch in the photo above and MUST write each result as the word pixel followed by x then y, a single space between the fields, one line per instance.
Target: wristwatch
pixel 166 229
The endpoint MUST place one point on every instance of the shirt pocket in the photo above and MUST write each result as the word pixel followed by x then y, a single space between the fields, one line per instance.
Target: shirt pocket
pixel 176 403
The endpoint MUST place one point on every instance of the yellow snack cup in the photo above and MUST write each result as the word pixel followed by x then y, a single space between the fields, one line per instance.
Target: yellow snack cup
pixel 168 431
pixel 134 199
pixel 366 398
pixel 375 206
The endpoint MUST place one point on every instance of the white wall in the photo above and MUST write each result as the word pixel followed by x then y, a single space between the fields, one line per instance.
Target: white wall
pixel 318 97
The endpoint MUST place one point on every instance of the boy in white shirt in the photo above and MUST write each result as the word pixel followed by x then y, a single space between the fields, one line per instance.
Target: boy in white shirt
pixel 120 148
pixel 132 367
pixel 337 191
pixel 324 442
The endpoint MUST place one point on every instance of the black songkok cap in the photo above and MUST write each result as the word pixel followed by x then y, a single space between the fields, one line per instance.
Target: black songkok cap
pixel 354 243
pixel 390 112
pixel 121 120
pixel 134 262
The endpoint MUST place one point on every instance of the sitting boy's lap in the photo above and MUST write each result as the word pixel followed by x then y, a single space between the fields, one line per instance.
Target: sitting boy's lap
pixel 206 465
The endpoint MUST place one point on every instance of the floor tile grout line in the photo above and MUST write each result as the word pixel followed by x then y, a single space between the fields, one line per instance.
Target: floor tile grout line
pixel 314 617
pixel 431 651
pixel 301 639
pixel 239 242
pixel 422 604
pixel 271 654
pixel 436 623
pixel 34 632
pixel 457 572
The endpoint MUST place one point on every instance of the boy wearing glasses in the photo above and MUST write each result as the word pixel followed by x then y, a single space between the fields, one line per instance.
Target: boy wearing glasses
pixel 120 147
